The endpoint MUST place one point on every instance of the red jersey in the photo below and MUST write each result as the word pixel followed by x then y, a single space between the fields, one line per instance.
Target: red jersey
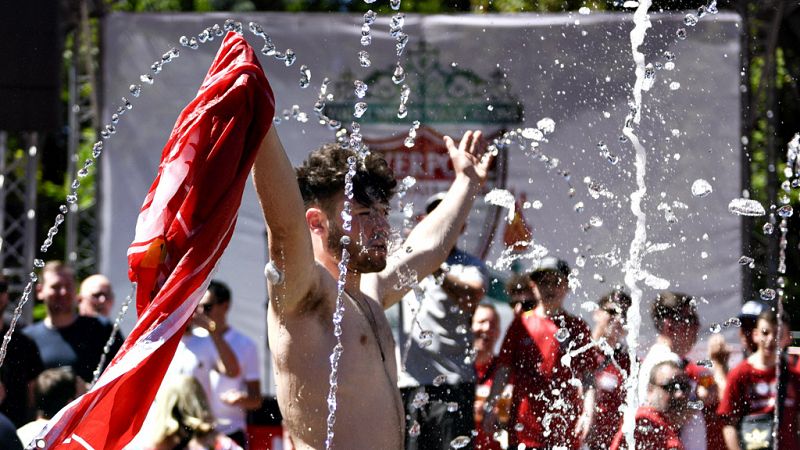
pixel 483 387
pixel 753 391
pixel 652 432
pixel 546 373
pixel 610 392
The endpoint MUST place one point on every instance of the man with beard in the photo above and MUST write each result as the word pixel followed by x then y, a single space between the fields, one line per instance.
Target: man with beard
pixel 304 216
pixel 665 410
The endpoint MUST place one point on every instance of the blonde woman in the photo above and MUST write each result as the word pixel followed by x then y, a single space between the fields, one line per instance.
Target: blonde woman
pixel 183 419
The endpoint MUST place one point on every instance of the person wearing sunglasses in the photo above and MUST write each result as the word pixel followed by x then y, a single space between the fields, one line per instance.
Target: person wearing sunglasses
pixel 664 412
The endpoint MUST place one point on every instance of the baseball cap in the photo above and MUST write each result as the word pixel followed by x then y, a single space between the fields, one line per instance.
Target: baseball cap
pixel 751 310
pixel 551 263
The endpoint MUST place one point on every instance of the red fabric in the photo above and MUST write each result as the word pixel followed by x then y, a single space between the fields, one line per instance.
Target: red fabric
pixel 184 226
pixel 533 355
pixel 610 395
pixel 753 391
pixel 484 374
pixel 652 432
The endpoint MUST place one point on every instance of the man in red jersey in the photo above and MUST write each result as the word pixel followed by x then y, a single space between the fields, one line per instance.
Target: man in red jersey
pixel 752 392
pixel 664 411
pixel 548 356
pixel 614 364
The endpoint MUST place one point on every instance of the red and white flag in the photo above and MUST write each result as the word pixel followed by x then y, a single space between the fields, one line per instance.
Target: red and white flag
pixel 185 224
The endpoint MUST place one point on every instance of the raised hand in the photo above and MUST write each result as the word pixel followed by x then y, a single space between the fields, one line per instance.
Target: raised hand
pixel 469 158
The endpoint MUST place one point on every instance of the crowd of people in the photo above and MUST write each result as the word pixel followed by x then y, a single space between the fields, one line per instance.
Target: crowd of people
pixel 556 383
pixel 213 380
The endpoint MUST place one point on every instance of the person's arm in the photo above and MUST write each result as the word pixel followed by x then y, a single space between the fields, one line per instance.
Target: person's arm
pixel 226 364
pixel 431 240
pixel 249 400
pixel 731 437
pixel 586 420
pixel 718 353
pixel 290 247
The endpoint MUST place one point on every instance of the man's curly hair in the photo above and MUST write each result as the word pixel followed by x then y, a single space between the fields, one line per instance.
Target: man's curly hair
pixel 321 178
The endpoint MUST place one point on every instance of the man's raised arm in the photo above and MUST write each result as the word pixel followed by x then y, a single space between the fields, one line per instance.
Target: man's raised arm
pixel 290 251
pixel 433 238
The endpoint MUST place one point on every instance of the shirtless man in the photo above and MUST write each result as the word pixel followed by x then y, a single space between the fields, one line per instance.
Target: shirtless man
pixel 302 290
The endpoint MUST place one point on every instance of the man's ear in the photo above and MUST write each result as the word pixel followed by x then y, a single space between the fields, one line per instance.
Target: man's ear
pixel 317 221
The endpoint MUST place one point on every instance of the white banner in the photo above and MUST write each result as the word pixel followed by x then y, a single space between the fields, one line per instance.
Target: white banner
pixel 495 73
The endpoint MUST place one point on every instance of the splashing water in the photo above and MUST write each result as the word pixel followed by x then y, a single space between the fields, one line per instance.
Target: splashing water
pixel 746 207
pixel 634 264
pixel 107 348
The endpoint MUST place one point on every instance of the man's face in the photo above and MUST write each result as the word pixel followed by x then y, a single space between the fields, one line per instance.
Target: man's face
pixel 683 331
pixel 57 291
pixel 96 297
pixel 212 307
pixel 610 318
pixel 551 288
pixel 368 247
pixel 485 328
pixel 765 336
pixel 670 393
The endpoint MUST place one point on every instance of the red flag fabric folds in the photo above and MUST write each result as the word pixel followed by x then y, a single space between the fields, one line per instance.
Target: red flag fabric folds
pixel 185 224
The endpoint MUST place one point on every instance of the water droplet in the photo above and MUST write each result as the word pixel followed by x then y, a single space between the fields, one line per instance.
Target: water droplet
pixel 305 76
pixel 696 405
pixel 767 294
pixel 420 400
pixel 546 125
pixel 398 20
pixel 785 211
pixel 63 209
pixel 746 207
pixel 733 322
pixel 681 33
pixel 578 207
pixel 269 48
pixel 38 263
pixel 75 184
pixel 674 86
pixel 745 260
pixel 669 56
pixel 452 406
pixel 415 427
pixel 768 228
pixel 360 88
pixel 461 441
pixel 369 17
pixel 439 380
pixel 584 10
pixel 395 4
pixel 701 188
pixel 184 41
pixel 359 109
pixel 705 363
pixel 363 58
pixel 345 240
pixel 193 43
pixel 649 77
pixel 690 20
pixel 97 148
pixel 715 328
pixel 399 74
pixel 402 111
pixel 595 221
pixel 562 334
pixel 290 57
pixel 402 41
pixel 40 443
pixel 669 66
pixel 135 89
pixel 72 198
pixel 712 7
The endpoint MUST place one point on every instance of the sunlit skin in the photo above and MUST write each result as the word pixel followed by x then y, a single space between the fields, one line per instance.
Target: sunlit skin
pixel 95 297
pixel 609 323
pixel 57 291
pixel 486 331
pixel 303 301
pixel 664 396
pixel 550 292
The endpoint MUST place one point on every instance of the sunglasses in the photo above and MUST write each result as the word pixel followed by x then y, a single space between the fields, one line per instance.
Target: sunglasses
pixel 206 307
pixel 676 385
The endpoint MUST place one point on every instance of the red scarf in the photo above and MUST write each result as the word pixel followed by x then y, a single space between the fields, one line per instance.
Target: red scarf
pixel 185 224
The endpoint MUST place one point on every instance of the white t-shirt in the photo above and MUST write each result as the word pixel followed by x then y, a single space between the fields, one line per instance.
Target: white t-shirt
pixel 233 418
pixel 196 356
